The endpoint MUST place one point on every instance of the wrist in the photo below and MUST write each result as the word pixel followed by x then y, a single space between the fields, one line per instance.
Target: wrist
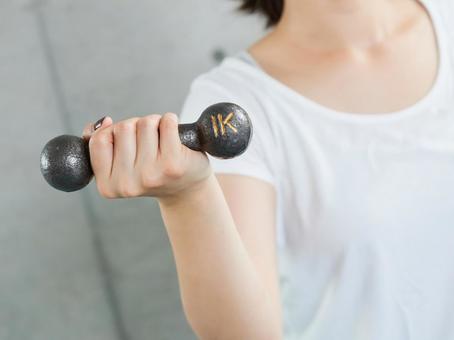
pixel 193 193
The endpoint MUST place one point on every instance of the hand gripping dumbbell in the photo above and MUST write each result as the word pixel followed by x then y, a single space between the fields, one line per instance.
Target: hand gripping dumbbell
pixel 223 130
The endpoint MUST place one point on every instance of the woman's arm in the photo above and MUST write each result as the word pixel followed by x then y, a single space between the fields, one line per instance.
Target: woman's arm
pixel 223 243
pixel 225 264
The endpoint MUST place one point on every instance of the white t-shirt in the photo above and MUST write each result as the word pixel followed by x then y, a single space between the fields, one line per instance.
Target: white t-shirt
pixel 365 211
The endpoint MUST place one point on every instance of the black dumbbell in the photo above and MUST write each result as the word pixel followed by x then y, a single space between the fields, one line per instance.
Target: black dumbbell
pixel 223 130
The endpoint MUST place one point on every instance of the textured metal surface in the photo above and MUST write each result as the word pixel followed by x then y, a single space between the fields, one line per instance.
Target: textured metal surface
pixel 225 130
pixel 189 136
pixel 65 163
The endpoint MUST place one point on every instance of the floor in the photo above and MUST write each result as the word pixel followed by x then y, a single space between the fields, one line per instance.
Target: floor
pixel 76 266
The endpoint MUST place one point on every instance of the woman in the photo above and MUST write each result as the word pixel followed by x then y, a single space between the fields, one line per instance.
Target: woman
pixel 338 221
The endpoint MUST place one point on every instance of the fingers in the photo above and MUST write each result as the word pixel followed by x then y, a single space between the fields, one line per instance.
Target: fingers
pixel 101 153
pixel 169 141
pixel 130 157
pixel 147 139
pixel 124 151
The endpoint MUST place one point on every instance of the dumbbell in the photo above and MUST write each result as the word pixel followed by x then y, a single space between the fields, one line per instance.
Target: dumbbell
pixel 223 131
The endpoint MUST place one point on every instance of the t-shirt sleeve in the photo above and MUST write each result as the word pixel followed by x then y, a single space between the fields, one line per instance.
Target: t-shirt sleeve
pixel 446 11
pixel 256 161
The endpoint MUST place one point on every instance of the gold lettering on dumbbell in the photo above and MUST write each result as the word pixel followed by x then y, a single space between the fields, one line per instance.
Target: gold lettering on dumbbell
pixel 215 127
pixel 223 122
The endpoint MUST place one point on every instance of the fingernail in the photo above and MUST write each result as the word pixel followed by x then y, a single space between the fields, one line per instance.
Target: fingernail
pixel 98 123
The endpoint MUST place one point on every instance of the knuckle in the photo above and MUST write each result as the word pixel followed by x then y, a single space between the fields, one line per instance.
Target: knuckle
pixel 98 140
pixel 169 120
pixel 150 181
pixel 150 121
pixel 105 191
pixel 126 190
pixel 128 125
pixel 173 170
pixel 155 116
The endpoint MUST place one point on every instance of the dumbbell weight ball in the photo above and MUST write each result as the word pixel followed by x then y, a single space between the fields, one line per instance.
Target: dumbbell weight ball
pixel 223 130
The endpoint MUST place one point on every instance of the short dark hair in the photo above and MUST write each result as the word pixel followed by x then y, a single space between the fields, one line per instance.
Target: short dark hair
pixel 271 9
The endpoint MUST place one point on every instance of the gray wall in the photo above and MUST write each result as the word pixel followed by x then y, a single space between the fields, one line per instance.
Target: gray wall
pixel 75 266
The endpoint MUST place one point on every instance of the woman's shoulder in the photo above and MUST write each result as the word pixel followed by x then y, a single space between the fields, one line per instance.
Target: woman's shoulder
pixel 230 81
pixel 232 74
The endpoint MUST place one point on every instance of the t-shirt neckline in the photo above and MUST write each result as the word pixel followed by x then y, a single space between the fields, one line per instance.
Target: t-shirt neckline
pixel 423 104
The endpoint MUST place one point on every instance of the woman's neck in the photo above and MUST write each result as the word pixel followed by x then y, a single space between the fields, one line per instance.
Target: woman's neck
pixel 340 24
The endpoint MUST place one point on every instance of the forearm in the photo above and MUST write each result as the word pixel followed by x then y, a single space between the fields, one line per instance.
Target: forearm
pixel 222 294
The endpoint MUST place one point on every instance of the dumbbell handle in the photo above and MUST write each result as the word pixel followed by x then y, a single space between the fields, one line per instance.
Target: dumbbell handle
pixel 189 137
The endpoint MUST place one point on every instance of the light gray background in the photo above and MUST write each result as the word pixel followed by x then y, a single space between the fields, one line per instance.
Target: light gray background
pixel 75 266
